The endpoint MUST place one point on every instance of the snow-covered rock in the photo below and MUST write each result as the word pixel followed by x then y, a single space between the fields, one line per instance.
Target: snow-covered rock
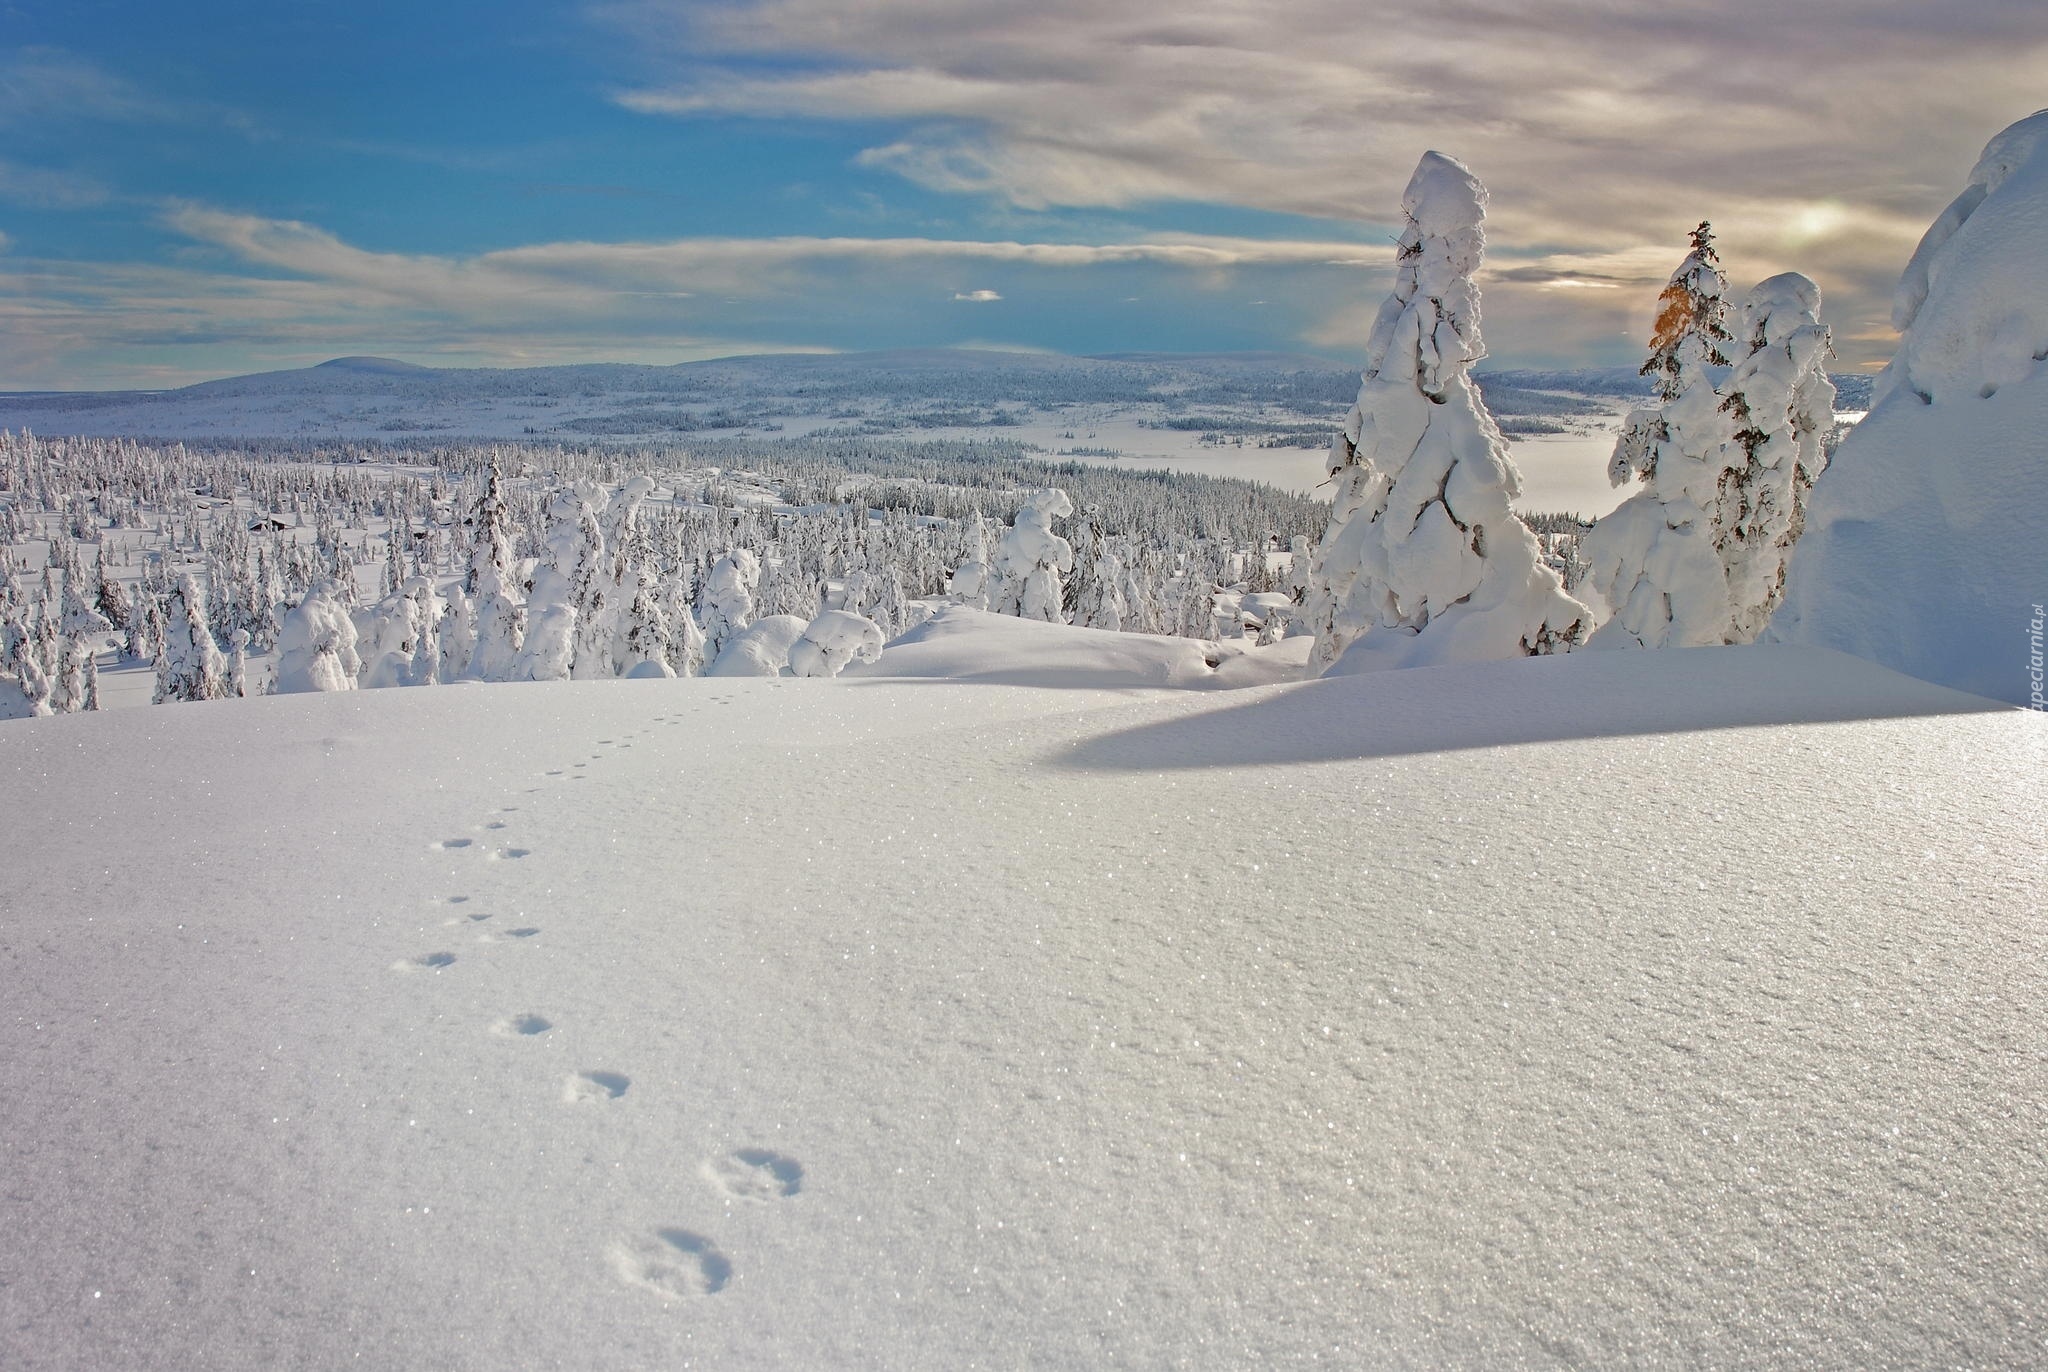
pixel 1926 542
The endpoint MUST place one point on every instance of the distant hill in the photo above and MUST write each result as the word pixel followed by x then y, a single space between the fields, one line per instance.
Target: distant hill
pixel 363 397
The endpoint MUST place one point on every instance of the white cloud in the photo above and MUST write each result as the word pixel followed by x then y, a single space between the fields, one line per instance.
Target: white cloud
pixel 44 189
pixel 270 292
pixel 1822 136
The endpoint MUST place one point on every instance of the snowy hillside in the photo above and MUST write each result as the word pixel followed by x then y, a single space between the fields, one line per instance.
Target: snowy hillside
pixel 1651 1008
pixel 1927 548
pixel 1267 417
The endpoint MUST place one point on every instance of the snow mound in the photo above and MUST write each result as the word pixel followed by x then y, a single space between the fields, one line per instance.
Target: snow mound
pixel 831 641
pixel 1926 546
pixel 760 649
pixel 963 644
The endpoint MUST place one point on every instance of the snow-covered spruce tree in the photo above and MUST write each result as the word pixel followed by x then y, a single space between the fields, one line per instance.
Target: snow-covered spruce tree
pixel 1424 561
pixel 970 583
pixel 627 564
pixel 1784 404
pixel 1654 560
pixel 190 666
pixel 425 668
pixel 549 645
pixel 569 576
pixel 316 647
pixel 111 598
pixel 499 613
pixel 727 599
pixel 1300 568
pixel 456 634
pixel 1032 558
pixel 79 617
pixel 238 663
pixel 685 639
pixel 34 684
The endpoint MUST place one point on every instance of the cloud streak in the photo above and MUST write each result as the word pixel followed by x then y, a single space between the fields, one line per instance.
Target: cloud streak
pixel 281 291
pixel 1822 136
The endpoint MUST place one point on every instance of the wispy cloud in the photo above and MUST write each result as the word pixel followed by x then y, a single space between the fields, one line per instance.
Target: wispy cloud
pixel 1822 136
pixel 279 291
pixel 44 188
pixel 48 84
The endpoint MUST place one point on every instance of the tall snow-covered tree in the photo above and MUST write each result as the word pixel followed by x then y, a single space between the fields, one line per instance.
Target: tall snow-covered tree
pixel 1655 560
pixel 499 612
pixel 1032 559
pixel 1784 404
pixel 569 576
pixel 727 598
pixel 190 666
pixel 1424 561
pixel 456 632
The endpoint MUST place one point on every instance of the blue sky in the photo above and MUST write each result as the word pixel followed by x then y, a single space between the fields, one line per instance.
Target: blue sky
pixel 203 188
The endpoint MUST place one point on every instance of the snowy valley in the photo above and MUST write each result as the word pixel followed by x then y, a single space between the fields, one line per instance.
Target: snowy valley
pixel 956 861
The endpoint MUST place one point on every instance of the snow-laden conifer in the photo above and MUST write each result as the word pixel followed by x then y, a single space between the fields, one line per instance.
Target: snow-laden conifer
pixel 317 646
pixel 972 580
pixel 1424 561
pixel 1032 559
pixel 190 667
pixel 499 610
pixel 456 631
pixel 727 599
pixel 1654 560
pixel 1784 406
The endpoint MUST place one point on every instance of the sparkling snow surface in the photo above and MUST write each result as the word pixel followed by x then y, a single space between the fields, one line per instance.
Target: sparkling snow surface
pixel 1675 1008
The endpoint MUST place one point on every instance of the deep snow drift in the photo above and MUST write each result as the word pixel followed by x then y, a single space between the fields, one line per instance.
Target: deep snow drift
pixel 1926 545
pixel 1669 1008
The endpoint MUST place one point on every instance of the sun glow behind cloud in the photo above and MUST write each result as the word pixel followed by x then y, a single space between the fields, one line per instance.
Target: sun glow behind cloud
pixel 850 175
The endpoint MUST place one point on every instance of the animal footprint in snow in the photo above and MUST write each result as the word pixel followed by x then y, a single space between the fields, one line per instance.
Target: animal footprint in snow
pixel 496 824
pixel 521 1026
pixel 451 844
pixel 755 1174
pixel 584 1088
pixel 425 962
pixel 672 1263
pixel 511 853
pixel 507 935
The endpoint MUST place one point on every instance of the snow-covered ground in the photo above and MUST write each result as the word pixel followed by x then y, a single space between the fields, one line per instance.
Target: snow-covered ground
pixel 1676 1008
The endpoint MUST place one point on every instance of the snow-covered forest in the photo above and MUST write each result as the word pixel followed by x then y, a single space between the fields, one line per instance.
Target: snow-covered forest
pixel 663 550
pixel 1202 925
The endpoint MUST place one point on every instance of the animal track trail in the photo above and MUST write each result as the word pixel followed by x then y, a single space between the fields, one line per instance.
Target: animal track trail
pixel 594 1088
pixel 522 1026
pixel 754 1174
pixel 673 1263
pixel 425 962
